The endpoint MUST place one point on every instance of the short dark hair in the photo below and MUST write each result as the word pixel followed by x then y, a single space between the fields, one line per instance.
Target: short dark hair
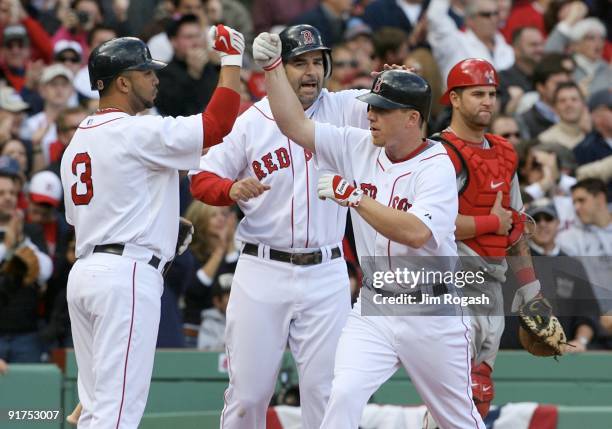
pixel 99 27
pixel 516 34
pixel 60 122
pixel 591 185
pixel 388 39
pixel 550 64
pixel 566 85
pixel 175 26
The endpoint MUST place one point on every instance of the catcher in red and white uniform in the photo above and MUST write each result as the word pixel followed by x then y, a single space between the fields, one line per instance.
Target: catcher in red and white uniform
pixel 490 223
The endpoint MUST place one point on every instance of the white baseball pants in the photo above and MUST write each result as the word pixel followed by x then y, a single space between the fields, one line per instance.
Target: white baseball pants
pixel 435 352
pixel 271 303
pixel 114 305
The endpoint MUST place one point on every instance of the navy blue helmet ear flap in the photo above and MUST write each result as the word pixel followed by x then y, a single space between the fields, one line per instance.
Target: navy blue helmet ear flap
pixel 118 55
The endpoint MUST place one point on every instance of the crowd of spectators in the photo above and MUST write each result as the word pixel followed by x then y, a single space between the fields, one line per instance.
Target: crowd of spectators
pixel 554 106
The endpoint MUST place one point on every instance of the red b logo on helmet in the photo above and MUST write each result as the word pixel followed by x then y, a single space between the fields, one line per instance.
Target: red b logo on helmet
pixel 308 37
pixel 377 85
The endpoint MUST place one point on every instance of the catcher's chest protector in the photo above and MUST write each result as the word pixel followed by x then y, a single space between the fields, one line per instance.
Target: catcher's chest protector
pixel 488 172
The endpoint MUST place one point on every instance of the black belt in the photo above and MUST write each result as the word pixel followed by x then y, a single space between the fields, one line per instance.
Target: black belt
pixel 439 289
pixel 117 249
pixel 311 258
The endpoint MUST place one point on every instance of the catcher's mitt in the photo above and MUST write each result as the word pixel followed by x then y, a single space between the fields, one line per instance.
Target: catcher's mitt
pixel 23 266
pixel 540 333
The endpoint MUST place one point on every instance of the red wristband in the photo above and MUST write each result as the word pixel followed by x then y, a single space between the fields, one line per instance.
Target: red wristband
pixel 273 65
pixel 486 224
pixel 526 275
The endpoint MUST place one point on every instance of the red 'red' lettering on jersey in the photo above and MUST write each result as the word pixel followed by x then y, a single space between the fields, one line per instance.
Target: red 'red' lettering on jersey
pixel 85 178
pixel 283 157
pixel 267 160
pixel 369 189
pixel 280 160
pixel 400 203
pixel 258 171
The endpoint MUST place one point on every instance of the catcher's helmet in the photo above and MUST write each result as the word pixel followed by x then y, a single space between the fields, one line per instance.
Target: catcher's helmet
pixel 400 89
pixel 299 39
pixel 116 56
pixel 469 72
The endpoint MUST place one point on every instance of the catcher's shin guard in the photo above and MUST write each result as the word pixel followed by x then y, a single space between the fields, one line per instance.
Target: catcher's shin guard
pixel 482 387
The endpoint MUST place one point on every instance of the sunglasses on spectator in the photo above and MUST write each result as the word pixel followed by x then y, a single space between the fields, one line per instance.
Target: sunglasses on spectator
pixel 68 59
pixel 514 134
pixel 351 63
pixel 488 14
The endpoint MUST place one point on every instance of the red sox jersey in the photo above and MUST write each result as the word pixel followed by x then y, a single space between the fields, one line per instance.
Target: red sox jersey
pixel 120 178
pixel 423 185
pixel 289 215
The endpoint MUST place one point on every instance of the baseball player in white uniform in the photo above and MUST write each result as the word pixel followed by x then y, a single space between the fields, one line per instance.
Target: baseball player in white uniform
pixel 120 179
pixel 404 210
pixel 291 282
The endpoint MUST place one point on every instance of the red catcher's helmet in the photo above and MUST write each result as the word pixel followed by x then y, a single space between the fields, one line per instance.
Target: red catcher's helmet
pixel 469 72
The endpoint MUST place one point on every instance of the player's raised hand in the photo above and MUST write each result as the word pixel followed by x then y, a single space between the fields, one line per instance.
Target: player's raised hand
pixel 505 216
pixel 339 189
pixel 245 189
pixel 228 43
pixel 267 50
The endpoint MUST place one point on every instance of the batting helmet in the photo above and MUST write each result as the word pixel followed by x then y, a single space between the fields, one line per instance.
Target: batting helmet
pixel 299 39
pixel 470 72
pixel 116 56
pixel 400 89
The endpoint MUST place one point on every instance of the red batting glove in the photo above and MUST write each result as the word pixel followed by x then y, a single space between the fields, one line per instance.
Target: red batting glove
pixel 229 44
pixel 339 190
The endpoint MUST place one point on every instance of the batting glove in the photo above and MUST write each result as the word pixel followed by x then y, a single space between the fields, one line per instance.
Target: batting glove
pixel 525 294
pixel 185 235
pixel 338 189
pixel 267 51
pixel 228 43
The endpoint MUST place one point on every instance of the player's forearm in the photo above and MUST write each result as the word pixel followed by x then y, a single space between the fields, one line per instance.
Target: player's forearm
pixel 465 227
pixel 396 225
pixel 287 109
pixel 211 189
pixel 473 226
pixel 520 263
pixel 229 77
pixel 220 114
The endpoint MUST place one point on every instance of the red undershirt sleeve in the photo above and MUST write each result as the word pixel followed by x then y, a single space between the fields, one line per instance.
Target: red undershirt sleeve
pixel 211 189
pixel 220 115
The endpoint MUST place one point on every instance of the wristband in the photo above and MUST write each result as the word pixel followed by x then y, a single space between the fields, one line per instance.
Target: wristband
pixel 486 224
pixel 526 275
pixel 273 65
pixel 231 60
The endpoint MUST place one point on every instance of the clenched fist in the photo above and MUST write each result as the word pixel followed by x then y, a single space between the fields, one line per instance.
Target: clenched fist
pixel 267 50
pixel 339 189
pixel 229 44
pixel 245 189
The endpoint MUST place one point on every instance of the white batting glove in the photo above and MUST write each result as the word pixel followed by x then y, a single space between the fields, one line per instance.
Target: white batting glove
pixel 524 294
pixel 228 43
pixel 338 189
pixel 267 49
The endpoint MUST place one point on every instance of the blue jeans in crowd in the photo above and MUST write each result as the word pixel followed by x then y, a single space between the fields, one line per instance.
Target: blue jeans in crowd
pixel 20 348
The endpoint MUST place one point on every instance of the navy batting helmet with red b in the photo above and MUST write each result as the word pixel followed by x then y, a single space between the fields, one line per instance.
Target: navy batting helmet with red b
pixel 116 56
pixel 299 39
